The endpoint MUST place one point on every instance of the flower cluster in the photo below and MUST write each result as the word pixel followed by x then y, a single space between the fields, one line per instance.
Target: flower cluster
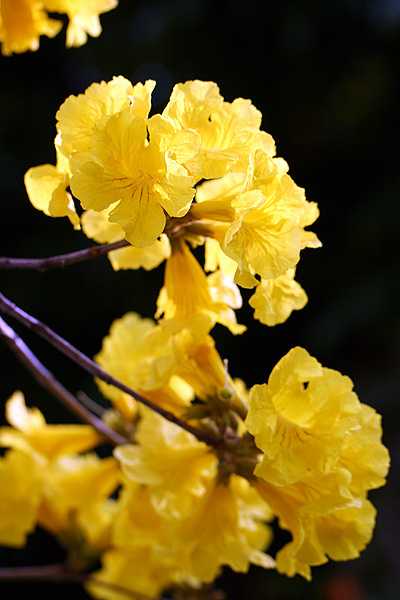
pixel 201 465
pixel 22 22
pixel 202 173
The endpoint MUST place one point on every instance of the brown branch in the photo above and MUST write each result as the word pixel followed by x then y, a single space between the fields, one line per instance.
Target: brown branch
pixel 47 380
pixel 55 262
pixel 62 573
pixel 94 369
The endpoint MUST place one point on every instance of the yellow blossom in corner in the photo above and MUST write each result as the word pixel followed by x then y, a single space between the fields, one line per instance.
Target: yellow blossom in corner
pixel 83 17
pixel 22 22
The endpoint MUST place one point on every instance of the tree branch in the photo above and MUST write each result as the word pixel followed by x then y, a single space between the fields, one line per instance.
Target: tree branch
pixel 47 380
pixel 55 262
pixel 62 573
pixel 94 369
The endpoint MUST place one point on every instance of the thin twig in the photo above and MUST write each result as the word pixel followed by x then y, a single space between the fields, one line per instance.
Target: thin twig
pixel 55 262
pixel 47 380
pixel 62 573
pixel 94 369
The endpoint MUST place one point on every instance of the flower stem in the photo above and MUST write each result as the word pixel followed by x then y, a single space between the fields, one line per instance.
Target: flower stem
pixel 94 369
pixel 55 262
pixel 46 379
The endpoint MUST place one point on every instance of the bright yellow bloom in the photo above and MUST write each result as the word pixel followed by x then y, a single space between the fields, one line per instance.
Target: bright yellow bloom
pixel 46 186
pixel 22 22
pixel 229 131
pixel 225 527
pixel 75 486
pixel 145 177
pixel 171 461
pixel 31 433
pixel 95 225
pixel 190 300
pixel 19 497
pixel 78 115
pixel 301 418
pixel 275 299
pixel 83 17
pixel 141 355
pixel 322 453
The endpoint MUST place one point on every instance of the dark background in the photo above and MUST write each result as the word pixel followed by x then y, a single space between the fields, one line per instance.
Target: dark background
pixel 326 77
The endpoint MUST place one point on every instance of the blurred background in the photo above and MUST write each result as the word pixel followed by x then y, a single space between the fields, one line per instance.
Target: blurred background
pixel 326 77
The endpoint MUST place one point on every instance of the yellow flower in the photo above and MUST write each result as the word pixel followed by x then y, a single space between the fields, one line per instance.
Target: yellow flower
pixel 95 225
pixel 77 116
pixel 174 465
pixel 229 131
pixel 259 219
pixel 301 418
pixel 73 487
pixel 31 433
pixel 322 453
pixel 312 510
pixel 141 355
pixel 83 17
pixel 275 299
pixel 22 22
pixel 225 527
pixel 46 186
pixel 145 177
pixel 190 300
pixel 19 497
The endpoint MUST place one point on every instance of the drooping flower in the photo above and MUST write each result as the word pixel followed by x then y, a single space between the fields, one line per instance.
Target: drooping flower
pixel 275 299
pixel 190 300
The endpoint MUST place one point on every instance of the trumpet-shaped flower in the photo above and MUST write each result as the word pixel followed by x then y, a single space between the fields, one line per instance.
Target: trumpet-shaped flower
pixel 174 465
pixel 22 22
pixel 141 355
pixel 190 300
pixel 275 299
pixel 47 185
pixel 225 527
pixel 301 418
pixel 19 497
pixel 145 177
pixel 83 17
pixel 31 433
pixel 322 453
pixel 229 131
